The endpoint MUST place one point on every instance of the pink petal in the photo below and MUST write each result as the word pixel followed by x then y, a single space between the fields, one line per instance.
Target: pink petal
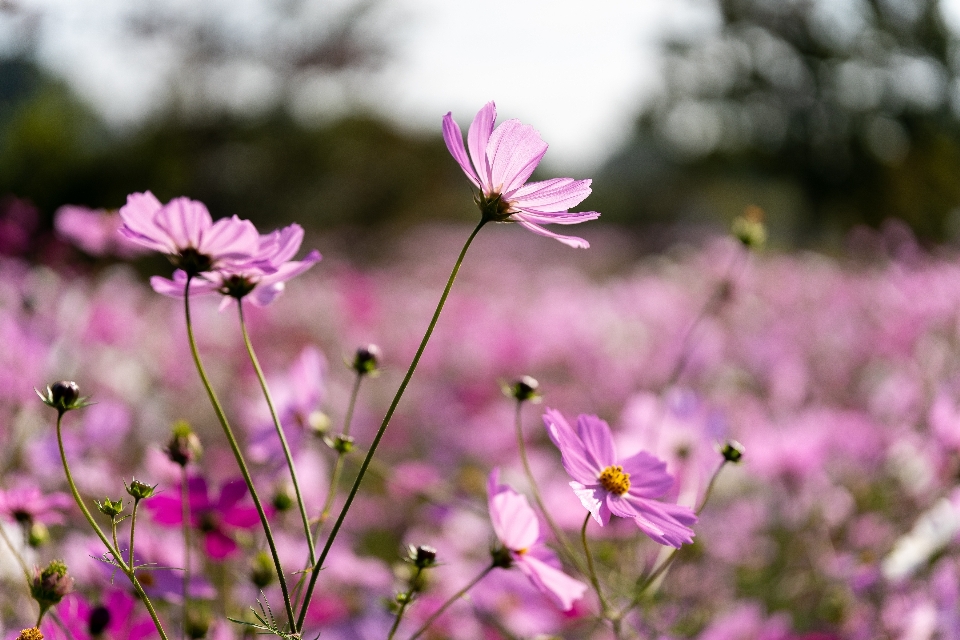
pixel 174 288
pixel 138 221
pixel 478 138
pixel 454 139
pixel 184 221
pixel 555 422
pixel 570 241
pixel 514 151
pixel 648 475
pixel 592 499
pixel 241 517
pixel 514 521
pixel 664 522
pixel 231 493
pixel 230 239
pixel 577 459
pixel 557 218
pixel 218 545
pixel 165 509
pixel 560 588
pixel 596 438
pixel 550 196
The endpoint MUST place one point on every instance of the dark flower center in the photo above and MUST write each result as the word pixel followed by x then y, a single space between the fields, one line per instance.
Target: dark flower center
pixel 209 522
pixel 614 480
pixel 99 619
pixel 192 261
pixel 237 286
pixel 493 208
pixel 22 516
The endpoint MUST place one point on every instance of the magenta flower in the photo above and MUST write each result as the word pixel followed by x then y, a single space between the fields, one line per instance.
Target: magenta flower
pixel 27 505
pixel 503 159
pixel 259 279
pixel 518 530
pixel 628 488
pixel 115 617
pixel 184 230
pixel 215 518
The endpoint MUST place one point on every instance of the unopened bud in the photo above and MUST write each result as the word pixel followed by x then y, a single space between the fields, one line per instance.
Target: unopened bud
pixel 732 451
pixel 139 490
pixel 38 535
pixel 423 556
pixel 366 361
pixel 110 508
pixel 319 423
pixel 50 584
pixel 63 396
pixel 282 500
pixel 341 443
pixel 184 445
pixel 197 625
pixel 262 572
pixel 523 390
pixel 749 228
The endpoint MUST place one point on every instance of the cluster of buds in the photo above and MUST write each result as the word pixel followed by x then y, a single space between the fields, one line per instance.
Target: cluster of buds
pixel 184 445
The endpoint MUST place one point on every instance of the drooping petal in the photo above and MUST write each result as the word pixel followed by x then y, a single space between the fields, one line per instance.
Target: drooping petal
pixel 550 196
pixel 664 522
pixel 454 139
pixel 560 588
pixel 514 151
pixel 138 221
pixel 597 440
pixel 575 217
pixel 514 521
pixel 288 241
pixel 648 475
pixel 593 500
pixel 478 137
pixel 231 493
pixel 570 241
pixel 174 288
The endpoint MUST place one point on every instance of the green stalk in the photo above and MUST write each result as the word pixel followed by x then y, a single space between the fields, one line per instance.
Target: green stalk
pixel 403 605
pixel 570 554
pixel 315 571
pixel 235 447
pixel 280 434
pixel 446 605
pixel 595 581
pixel 133 529
pixel 103 538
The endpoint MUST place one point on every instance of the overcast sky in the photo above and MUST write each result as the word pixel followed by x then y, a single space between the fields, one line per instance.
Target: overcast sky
pixel 577 71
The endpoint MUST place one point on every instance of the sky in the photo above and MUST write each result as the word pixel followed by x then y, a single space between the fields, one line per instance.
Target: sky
pixel 577 71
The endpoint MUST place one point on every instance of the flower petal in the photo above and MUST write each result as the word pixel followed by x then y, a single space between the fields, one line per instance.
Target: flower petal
pixel 478 137
pixel 648 475
pixel 570 241
pixel 596 438
pixel 184 221
pixel 592 499
pixel 560 588
pixel 514 521
pixel 664 522
pixel 138 221
pixel 218 545
pixel 229 239
pixel 514 151
pixel 454 139
pixel 175 288
pixel 550 196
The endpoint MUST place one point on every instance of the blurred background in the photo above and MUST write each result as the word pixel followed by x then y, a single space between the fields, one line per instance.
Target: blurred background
pixel 827 114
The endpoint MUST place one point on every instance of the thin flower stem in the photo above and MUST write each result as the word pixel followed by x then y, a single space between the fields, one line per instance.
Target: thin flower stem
pixel 114 551
pixel 446 605
pixel 570 554
pixel 185 504
pixel 237 453
pixel 595 581
pixel 133 529
pixel 315 571
pixel 334 482
pixel 16 554
pixel 280 434
pixel 404 604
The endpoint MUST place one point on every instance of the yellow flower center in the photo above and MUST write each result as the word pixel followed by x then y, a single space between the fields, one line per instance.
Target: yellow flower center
pixel 614 480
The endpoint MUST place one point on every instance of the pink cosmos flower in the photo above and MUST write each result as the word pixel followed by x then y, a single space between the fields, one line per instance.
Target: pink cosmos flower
pixel 627 488
pixel 259 279
pixel 502 161
pixel 518 530
pixel 184 230
pixel 95 231
pixel 27 505
pixel 116 617
pixel 214 517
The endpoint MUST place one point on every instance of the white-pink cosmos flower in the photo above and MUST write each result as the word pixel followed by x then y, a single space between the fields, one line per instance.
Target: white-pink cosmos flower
pixel 500 162
pixel 518 530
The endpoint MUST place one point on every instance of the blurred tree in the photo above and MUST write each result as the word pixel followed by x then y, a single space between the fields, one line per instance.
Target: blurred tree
pixel 827 113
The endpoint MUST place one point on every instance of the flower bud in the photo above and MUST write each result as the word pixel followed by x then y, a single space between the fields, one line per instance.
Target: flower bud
pixel 30 634
pixel 367 360
pixel 262 572
pixel 749 228
pixel 98 621
pixel 63 396
pixel 282 500
pixel 423 556
pixel 110 508
pixel 523 390
pixel 139 490
pixel 319 423
pixel 38 535
pixel 184 445
pixel 340 444
pixel 197 625
pixel 50 584
pixel 732 451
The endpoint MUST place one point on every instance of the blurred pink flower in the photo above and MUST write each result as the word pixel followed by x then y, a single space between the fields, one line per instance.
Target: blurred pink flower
pixel 259 279
pixel 27 505
pixel 627 488
pixel 113 618
pixel 517 528
pixel 213 518
pixel 503 159
pixel 184 230
pixel 95 231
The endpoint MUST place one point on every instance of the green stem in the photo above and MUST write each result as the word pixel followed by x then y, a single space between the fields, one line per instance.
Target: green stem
pixel 103 538
pixel 280 434
pixel 185 506
pixel 237 454
pixel 594 580
pixel 404 604
pixel 315 572
pixel 570 554
pixel 446 605
pixel 133 529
